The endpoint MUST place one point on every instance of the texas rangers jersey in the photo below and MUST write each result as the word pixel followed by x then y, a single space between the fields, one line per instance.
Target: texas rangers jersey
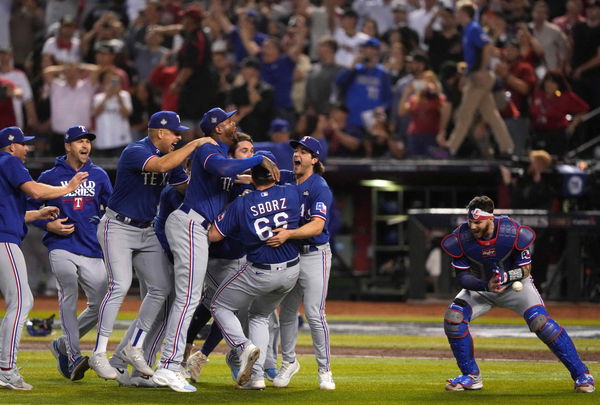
pixel 205 194
pixel 12 200
pixel 82 207
pixel 507 249
pixel 137 191
pixel 315 200
pixel 252 217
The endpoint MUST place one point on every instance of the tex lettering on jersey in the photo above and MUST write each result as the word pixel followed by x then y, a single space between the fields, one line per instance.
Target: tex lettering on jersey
pixel 155 179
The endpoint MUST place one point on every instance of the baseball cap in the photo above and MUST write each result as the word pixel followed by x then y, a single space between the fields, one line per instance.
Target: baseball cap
pixel 309 143
pixel 372 42
pixel 259 171
pixel 10 135
pixel 166 120
pixel 76 132
pixel 212 118
pixel 279 125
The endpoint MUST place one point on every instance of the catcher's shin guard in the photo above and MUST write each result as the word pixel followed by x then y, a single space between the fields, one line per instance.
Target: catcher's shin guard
pixel 456 326
pixel 556 338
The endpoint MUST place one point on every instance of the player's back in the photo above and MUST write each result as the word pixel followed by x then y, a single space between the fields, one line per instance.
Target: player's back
pixel 263 211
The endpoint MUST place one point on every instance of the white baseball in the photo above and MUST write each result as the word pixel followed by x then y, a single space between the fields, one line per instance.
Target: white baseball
pixel 517 286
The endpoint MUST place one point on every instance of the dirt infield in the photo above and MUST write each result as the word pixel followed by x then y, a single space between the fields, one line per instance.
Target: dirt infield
pixel 435 309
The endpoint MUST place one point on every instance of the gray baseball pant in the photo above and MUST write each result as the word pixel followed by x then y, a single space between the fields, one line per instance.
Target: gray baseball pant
pixel 19 301
pixel 312 284
pixel 72 270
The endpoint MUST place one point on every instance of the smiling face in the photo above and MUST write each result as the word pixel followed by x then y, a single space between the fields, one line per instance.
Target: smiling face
pixel 19 150
pixel 227 131
pixel 481 229
pixel 303 161
pixel 78 151
pixel 167 140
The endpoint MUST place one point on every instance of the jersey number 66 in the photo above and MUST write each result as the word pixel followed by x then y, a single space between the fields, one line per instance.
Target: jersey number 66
pixel 263 227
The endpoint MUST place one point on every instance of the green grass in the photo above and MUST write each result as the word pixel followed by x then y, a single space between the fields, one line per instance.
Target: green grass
pixel 359 381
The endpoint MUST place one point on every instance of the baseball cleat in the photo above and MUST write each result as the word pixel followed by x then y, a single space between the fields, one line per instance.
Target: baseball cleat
pixel 12 380
pixel 173 380
pixel 585 383
pixel 99 363
pixel 62 360
pixel 135 356
pixel 195 363
pixel 78 368
pixel 326 380
pixel 123 377
pixel 271 373
pixel 465 382
pixel 247 360
pixel 286 372
pixel 234 364
pixel 253 385
pixel 143 381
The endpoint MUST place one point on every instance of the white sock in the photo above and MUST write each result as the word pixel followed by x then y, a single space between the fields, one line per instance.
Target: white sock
pixel 137 340
pixel 101 343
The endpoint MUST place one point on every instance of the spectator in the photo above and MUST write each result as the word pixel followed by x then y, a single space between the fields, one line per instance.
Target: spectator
pixel 279 132
pixel 395 61
pixel 112 108
pixel 56 9
pixel 138 32
pixel 408 36
pixel 421 17
pixel 530 49
pixel 343 140
pixel 416 64
pixel 147 56
pixel 23 98
pixel 5 24
pixel 8 90
pixel 380 143
pixel 26 21
pixel 106 55
pixel 143 106
pixel 444 43
pixel 551 105
pixel 348 39
pixel 293 41
pixel 553 41
pixel 226 72
pixel 425 103
pixel 477 93
pixel 162 78
pixel 369 27
pixel 105 29
pixel 498 29
pixel 254 100
pixel 64 47
pixel 379 11
pixel 323 22
pixel 366 86
pixel 319 85
pixel 573 16
pixel 71 89
pixel 196 74
pixel 586 56
pixel 517 79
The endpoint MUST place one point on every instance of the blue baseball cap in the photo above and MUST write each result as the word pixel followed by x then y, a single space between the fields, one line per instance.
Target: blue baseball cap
pixel 166 120
pixel 372 42
pixel 76 132
pixel 212 118
pixel 268 154
pixel 10 135
pixel 309 143
pixel 279 125
pixel 260 172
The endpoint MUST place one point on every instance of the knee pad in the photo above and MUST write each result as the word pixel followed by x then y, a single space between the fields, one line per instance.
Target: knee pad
pixel 541 324
pixel 457 318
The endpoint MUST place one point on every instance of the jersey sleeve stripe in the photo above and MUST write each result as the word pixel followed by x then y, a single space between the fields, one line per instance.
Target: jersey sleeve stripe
pixel 318 216
pixel 217 227
pixel 146 162
pixel 208 157
pixel 181 182
pixel 461 267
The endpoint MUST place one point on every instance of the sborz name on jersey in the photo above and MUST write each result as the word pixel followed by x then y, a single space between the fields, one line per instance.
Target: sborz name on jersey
pixel 86 189
pixel 268 206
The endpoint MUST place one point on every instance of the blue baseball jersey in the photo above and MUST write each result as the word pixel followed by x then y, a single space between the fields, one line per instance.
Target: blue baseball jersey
pixel 137 191
pixel 252 217
pixel 280 75
pixel 170 200
pixel 315 200
pixel 205 193
pixel 473 40
pixel 13 201
pixel 82 207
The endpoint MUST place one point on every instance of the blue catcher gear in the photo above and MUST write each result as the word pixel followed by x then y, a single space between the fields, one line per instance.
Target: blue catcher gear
pixel 556 338
pixel 451 245
pixel 40 327
pixel 456 326
pixel 525 237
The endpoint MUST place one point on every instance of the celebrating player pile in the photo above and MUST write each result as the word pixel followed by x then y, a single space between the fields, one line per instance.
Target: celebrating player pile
pixel 489 253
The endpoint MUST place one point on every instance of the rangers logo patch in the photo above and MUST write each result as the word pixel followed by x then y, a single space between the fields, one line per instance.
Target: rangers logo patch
pixel 213 120
pixel 525 255
pixel 163 122
pixel 321 207
pixel 11 138
pixel 490 252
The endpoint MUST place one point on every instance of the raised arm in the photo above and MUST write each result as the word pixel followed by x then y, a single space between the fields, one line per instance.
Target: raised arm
pixel 173 159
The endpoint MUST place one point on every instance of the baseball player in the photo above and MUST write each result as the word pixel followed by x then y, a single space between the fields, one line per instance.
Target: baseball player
pixel 15 184
pixel 74 252
pixel 315 266
pixel 224 258
pixel 127 238
pixel 268 275
pixel 488 254
pixel 186 230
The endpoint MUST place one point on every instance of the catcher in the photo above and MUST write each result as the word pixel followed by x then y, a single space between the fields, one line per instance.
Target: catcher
pixel 488 255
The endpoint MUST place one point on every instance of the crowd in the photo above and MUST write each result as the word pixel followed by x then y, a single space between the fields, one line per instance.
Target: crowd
pixel 374 78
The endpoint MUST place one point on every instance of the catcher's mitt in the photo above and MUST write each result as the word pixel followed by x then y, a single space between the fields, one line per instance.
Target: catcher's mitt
pixel 40 327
